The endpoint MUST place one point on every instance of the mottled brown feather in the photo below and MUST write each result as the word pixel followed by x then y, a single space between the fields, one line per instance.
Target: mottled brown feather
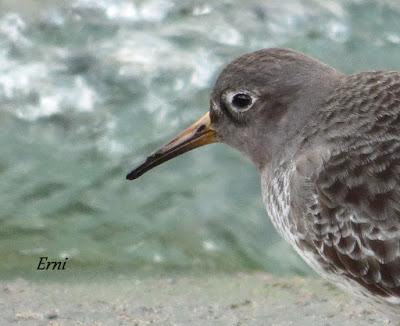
pixel 356 186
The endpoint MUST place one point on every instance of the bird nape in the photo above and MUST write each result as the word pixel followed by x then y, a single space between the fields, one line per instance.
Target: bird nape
pixel 328 150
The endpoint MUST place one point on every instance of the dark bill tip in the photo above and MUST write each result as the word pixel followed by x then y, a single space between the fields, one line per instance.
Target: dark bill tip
pixel 151 162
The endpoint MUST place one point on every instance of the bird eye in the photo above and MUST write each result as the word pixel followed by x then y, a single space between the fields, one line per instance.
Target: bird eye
pixel 241 100
pixel 236 103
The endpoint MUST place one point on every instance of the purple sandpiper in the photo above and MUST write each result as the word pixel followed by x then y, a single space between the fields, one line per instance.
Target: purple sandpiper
pixel 327 146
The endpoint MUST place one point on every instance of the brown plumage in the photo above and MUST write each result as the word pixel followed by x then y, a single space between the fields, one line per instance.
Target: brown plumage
pixel 328 149
pixel 357 185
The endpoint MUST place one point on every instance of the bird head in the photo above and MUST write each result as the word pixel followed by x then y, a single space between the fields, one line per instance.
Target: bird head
pixel 258 105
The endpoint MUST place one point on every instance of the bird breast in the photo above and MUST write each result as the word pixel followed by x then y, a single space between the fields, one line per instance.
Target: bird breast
pixel 275 186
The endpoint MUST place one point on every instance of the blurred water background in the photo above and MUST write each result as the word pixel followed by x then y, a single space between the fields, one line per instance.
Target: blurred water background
pixel 89 87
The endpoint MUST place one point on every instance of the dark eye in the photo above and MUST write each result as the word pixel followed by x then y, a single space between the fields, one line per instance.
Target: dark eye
pixel 241 101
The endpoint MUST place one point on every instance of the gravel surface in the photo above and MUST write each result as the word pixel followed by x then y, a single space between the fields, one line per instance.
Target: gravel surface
pixel 240 299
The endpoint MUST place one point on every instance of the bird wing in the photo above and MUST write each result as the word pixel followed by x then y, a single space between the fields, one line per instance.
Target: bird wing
pixel 354 217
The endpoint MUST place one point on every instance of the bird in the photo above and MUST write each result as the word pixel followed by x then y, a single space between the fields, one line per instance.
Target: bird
pixel 327 146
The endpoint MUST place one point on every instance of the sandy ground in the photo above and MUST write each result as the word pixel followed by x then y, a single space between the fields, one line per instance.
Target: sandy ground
pixel 241 299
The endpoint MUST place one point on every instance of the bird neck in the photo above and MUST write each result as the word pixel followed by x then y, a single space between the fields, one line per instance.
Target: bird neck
pixel 298 131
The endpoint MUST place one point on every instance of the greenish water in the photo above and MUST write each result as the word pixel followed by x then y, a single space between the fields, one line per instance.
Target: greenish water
pixel 89 87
